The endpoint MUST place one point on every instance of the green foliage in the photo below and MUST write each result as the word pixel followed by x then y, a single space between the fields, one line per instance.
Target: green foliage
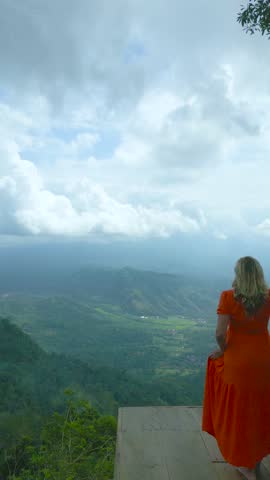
pixel 255 17
pixel 111 356
pixel 151 374
pixel 16 343
pixel 76 445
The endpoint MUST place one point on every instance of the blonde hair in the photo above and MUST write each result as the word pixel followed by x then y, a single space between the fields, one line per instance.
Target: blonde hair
pixel 249 284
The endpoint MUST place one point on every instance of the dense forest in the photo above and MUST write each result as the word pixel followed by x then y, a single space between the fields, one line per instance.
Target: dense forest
pixel 69 361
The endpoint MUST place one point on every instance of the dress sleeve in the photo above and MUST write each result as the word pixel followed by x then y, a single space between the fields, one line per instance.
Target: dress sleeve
pixel 223 305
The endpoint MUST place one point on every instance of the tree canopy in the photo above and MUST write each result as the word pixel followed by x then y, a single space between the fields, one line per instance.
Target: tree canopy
pixel 255 17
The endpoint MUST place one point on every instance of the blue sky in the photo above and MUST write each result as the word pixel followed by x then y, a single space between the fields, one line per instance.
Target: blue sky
pixel 132 119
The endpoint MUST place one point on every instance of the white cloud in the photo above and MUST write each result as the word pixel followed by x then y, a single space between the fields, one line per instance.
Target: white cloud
pixel 150 125
pixel 263 227
pixel 31 208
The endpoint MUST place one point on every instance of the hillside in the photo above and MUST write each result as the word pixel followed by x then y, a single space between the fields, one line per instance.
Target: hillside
pixel 102 335
pixel 34 382
pixel 114 337
pixel 132 291
pixel 101 317
pixel 145 292
pixel 41 415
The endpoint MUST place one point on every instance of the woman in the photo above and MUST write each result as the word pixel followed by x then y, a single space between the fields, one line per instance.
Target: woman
pixel 236 405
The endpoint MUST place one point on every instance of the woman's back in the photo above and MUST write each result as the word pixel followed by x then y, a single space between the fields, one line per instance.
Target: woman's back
pixel 240 321
pixel 247 357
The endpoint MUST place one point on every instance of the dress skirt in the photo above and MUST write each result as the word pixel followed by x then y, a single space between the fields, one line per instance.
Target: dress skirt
pixel 236 404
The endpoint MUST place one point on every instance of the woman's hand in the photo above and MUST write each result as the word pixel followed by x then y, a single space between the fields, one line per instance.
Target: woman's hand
pixel 216 354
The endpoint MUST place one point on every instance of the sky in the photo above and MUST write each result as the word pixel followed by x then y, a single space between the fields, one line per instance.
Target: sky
pixel 134 120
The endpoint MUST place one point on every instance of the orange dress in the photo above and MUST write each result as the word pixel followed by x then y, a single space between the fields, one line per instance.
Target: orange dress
pixel 236 404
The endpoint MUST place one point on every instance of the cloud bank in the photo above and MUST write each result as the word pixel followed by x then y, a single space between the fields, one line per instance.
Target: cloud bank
pixel 132 119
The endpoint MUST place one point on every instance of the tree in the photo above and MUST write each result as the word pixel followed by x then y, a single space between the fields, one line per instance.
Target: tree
pixel 255 17
pixel 77 445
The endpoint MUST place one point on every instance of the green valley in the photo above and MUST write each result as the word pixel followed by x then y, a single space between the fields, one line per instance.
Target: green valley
pixel 93 339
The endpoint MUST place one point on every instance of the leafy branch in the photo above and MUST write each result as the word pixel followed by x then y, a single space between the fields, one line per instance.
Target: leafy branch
pixel 255 17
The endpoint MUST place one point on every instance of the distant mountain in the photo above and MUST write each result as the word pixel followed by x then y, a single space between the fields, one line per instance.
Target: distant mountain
pixel 147 293
pixel 33 260
pixel 133 291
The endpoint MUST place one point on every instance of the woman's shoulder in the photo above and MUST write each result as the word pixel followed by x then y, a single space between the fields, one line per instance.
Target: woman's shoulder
pixel 228 293
pixel 224 304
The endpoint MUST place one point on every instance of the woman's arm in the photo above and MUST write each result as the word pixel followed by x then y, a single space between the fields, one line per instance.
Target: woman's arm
pixel 221 330
pixel 221 341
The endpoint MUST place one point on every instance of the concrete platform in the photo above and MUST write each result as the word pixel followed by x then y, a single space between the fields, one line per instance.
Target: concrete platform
pixel 167 443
